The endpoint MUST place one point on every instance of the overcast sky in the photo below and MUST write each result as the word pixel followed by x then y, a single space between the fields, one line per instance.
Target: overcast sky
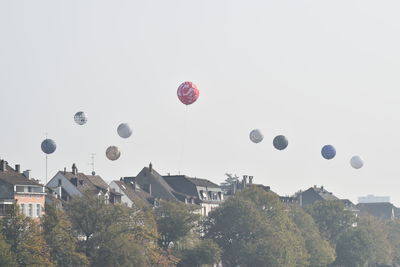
pixel 319 72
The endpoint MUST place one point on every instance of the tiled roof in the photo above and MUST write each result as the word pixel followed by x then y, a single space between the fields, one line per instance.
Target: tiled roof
pixel 86 183
pixel 322 192
pixel 136 195
pixel 12 177
pixel 159 187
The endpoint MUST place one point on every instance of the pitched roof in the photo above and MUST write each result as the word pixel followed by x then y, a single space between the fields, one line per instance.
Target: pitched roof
pixel 159 187
pixel 323 193
pixel 136 195
pixel 86 183
pixel 12 177
pixel 186 185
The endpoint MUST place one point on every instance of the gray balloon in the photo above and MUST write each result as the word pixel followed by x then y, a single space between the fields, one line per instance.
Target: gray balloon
pixel 48 146
pixel 113 153
pixel 280 142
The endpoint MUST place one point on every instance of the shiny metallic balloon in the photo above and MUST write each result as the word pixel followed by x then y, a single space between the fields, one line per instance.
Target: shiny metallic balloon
pixel 113 153
pixel 48 146
pixel 357 162
pixel 80 118
pixel 328 152
pixel 124 130
pixel 280 142
pixel 256 136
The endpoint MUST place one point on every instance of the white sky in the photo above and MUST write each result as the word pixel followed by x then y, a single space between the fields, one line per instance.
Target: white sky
pixel 319 72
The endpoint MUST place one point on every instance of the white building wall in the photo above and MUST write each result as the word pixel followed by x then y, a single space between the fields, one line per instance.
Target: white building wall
pixel 65 184
pixel 124 199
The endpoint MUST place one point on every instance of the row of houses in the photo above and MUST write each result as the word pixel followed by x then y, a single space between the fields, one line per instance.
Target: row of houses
pixel 148 187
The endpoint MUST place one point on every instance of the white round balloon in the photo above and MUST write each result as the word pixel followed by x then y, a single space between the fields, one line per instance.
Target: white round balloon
pixel 124 130
pixel 80 118
pixel 357 162
pixel 256 136
pixel 113 153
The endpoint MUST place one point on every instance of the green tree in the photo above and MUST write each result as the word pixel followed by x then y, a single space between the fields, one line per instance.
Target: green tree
pixel 353 248
pixel 174 221
pixel 7 258
pixel 26 240
pixel 393 229
pixel 332 219
pixel 253 229
pixel 58 234
pixel 320 251
pixel 204 252
pixel 113 235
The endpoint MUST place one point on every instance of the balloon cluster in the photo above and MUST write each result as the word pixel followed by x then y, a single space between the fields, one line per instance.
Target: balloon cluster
pixel 188 93
pixel 124 130
pixel 328 152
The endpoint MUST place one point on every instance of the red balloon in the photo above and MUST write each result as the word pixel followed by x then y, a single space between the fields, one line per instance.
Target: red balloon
pixel 188 93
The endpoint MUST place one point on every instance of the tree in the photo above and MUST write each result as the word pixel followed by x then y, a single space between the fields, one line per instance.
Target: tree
pixel 320 251
pixel 231 178
pixel 365 244
pixel 331 217
pixel 205 252
pixel 26 240
pixel 253 229
pixel 114 235
pixel 174 221
pixel 7 258
pixel 58 234
pixel 393 229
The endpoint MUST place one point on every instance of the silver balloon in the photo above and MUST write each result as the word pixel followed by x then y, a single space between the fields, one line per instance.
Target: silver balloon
pixel 357 162
pixel 124 130
pixel 113 153
pixel 256 136
pixel 280 142
pixel 48 146
pixel 80 118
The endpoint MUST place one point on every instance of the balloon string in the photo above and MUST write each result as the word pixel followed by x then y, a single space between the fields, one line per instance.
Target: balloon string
pixel 183 140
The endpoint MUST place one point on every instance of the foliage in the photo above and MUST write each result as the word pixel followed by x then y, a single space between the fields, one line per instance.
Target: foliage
pixel 25 239
pixel 320 251
pixel 253 229
pixel 7 258
pixel 331 218
pixel 174 221
pixel 205 252
pixel 58 234
pixel 231 178
pixel 114 235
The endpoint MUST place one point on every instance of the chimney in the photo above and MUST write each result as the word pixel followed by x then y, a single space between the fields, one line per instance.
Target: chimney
pixel 147 188
pixel 251 179
pixel 234 187
pixel 74 169
pixel 150 167
pixel 3 165
pixel 18 168
pixel 27 174
pixel 245 179
pixel 65 170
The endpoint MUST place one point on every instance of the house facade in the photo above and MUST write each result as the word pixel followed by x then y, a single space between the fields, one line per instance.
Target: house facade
pixel 150 186
pixel 68 185
pixel 18 188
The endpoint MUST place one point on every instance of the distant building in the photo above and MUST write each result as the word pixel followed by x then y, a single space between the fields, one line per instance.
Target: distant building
pixel 373 199
pixel 18 188
pixel 151 187
pixel 383 210
pixel 132 195
pixel 313 194
pixel 201 191
pixel 67 185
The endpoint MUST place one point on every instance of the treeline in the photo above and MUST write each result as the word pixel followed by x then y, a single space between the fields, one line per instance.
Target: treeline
pixel 253 228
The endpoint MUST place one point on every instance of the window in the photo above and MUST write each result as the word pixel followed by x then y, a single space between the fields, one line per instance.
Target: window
pixel 23 209
pixel 38 210
pixel 30 210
